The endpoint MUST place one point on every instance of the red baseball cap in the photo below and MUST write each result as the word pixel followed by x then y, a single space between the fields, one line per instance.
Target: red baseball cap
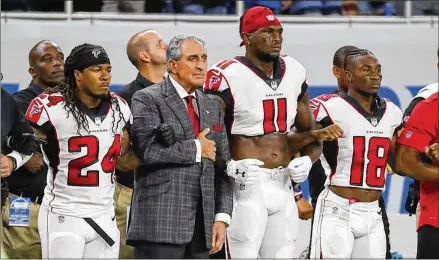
pixel 256 18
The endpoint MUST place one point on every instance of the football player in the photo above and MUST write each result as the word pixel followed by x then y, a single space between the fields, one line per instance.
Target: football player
pixel 263 95
pixel 85 127
pixel 348 211
pixel 412 205
pixel 317 176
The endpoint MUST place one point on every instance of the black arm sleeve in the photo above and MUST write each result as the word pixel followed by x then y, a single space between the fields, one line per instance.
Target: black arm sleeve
pixel 303 91
pixel 227 97
pixel 408 111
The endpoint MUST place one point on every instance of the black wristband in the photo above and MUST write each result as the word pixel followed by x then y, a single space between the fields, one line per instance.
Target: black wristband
pixel 298 197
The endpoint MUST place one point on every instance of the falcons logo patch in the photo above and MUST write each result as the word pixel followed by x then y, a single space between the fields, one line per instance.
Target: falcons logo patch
pixel 96 53
pixel 213 80
pixel 34 110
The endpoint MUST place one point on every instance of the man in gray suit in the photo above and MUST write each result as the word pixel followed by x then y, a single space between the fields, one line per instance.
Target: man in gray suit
pixel 182 198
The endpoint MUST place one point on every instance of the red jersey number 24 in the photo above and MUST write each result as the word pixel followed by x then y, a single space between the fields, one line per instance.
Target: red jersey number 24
pixel 91 143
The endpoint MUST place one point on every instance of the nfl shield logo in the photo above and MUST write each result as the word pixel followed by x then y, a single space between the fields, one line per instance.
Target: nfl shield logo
pixel 98 120
pixel 374 121
pixel 274 84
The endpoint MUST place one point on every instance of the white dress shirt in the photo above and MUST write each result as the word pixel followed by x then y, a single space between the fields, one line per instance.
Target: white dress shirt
pixel 223 217
pixel 183 94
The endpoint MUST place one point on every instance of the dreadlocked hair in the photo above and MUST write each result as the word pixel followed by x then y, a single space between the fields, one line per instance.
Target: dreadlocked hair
pixel 69 90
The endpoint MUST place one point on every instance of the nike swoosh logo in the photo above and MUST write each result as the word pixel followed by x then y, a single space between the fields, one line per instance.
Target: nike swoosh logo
pixel 112 219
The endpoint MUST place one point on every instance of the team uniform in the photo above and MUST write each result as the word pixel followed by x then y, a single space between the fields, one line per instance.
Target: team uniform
pixel 420 131
pixel 412 205
pixel 80 181
pixel 357 160
pixel 265 217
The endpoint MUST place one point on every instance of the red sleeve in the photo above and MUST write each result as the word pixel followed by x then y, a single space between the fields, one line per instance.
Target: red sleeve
pixel 420 129
pixel 36 113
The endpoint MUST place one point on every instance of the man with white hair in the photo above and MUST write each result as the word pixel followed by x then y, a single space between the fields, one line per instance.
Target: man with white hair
pixel 182 199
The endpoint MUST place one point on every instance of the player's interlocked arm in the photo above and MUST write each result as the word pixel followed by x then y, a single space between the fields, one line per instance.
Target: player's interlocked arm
pixel 432 152
pixel 415 141
pixel 305 124
pixel 146 117
pixel 127 160
pixel 298 140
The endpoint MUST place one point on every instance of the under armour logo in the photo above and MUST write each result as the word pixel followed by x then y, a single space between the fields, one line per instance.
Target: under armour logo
pixel 242 173
pixel 96 53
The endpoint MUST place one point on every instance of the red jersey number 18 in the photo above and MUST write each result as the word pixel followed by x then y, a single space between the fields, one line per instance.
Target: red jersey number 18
pixel 377 151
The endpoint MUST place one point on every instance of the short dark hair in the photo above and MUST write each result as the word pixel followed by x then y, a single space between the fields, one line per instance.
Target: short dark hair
pixel 339 55
pixel 353 54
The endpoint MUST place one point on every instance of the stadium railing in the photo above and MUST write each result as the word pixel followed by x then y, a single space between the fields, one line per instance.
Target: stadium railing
pixel 69 15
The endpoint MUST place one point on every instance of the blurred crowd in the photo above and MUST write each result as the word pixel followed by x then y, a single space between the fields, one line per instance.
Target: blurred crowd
pixel 222 7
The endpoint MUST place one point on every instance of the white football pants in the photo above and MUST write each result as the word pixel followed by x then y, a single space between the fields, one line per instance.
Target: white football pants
pixel 71 237
pixel 265 220
pixel 347 230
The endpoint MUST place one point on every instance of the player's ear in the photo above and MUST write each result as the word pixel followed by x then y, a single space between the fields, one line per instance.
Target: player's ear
pixel 78 75
pixel 246 38
pixel 348 75
pixel 32 72
pixel 336 71
pixel 172 66
pixel 144 57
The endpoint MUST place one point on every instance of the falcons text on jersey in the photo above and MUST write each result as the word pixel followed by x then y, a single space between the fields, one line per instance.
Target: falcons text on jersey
pixel 80 180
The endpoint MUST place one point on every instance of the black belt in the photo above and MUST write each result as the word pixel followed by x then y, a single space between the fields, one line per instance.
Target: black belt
pixel 34 199
pixel 100 231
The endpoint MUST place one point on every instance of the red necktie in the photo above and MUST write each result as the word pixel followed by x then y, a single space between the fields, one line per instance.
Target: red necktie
pixel 192 115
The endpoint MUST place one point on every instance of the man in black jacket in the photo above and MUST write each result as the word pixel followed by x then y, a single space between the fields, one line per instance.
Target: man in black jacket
pixel 46 67
pixel 17 145
pixel 14 152
pixel 146 50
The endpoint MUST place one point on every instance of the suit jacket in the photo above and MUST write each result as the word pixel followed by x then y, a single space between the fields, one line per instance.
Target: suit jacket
pixel 24 181
pixel 168 187
pixel 127 92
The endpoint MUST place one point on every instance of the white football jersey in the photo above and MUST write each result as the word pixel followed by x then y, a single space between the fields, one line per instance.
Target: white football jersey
pixel 258 104
pixel 80 180
pixel 360 158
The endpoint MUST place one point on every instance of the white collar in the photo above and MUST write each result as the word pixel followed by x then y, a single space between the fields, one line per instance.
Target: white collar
pixel 180 90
